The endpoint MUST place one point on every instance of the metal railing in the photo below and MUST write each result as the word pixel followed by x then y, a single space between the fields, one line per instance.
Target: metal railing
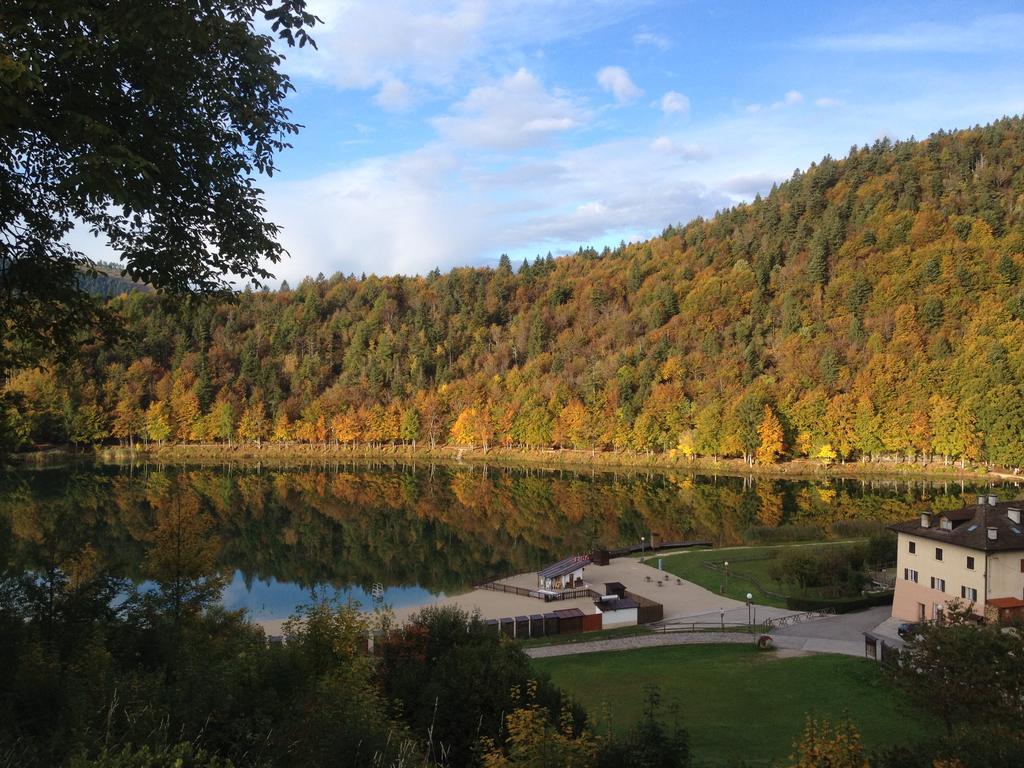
pixel 798 618
pixel 680 625
pixel 545 595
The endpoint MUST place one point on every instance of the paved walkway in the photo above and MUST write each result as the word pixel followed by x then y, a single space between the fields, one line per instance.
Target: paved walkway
pixel 639 641
pixel 842 634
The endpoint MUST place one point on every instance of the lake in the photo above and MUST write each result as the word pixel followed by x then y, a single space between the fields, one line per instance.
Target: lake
pixel 282 535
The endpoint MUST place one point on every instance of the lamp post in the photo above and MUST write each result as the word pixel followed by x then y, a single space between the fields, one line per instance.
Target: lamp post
pixel 750 597
pixel 726 577
pixel 643 540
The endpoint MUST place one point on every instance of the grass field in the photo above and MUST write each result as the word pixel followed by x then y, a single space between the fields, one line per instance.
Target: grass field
pixel 740 705
pixel 743 561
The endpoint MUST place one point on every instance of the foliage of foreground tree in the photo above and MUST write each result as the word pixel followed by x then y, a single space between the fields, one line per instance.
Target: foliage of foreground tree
pixel 827 745
pixel 532 741
pixel 651 743
pixel 456 681
pixel 968 676
pixel 143 121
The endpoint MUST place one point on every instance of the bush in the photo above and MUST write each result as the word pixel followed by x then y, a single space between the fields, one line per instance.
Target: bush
pixel 840 604
pixel 836 570
pixel 763 534
pixel 882 548
pixel 851 529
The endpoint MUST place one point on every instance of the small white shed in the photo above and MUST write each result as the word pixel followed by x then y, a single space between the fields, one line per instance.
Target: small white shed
pixel 617 611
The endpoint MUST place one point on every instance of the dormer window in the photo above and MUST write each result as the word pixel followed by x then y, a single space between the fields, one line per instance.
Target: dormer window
pixel 946 524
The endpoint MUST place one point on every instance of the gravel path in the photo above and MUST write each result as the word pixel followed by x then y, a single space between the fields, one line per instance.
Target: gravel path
pixel 639 641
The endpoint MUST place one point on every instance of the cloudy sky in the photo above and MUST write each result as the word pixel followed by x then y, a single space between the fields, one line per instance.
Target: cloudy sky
pixel 446 133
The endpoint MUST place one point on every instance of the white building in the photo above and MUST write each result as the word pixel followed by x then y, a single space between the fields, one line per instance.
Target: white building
pixel 617 611
pixel 975 554
pixel 565 574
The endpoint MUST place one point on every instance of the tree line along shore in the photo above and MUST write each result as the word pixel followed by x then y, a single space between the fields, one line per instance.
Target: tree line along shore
pixel 285 453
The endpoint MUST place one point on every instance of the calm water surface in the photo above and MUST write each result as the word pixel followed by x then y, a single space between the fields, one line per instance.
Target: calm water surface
pixel 281 535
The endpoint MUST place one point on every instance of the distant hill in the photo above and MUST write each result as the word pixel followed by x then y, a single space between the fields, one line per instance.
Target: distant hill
pixel 869 306
pixel 108 282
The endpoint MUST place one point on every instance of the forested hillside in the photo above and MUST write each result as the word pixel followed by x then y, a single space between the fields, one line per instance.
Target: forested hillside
pixel 868 306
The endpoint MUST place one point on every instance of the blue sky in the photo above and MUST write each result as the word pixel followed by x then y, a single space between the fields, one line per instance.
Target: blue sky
pixel 447 133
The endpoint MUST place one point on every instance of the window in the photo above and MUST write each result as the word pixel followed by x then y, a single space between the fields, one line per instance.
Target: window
pixel 939 584
pixel 969 593
pixel 938 553
pixel 970 563
pixel 912 547
pixel 909 574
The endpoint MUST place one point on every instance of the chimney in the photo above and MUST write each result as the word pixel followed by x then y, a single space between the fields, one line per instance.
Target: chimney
pixel 1014 515
pixel 992 499
pixel 926 519
pixel 993 534
pixel 981 501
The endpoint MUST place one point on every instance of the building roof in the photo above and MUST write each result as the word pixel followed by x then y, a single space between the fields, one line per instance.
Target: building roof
pixel 562 567
pixel 568 613
pixel 1006 602
pixel 622 604
pixel 970 525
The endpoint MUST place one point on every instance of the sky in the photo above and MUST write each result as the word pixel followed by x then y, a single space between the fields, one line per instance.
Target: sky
pixel 446 133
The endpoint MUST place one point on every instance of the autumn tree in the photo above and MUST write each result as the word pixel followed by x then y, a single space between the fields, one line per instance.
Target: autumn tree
pixel 533 741
pixel 252 425
pixel 771 436
pixel 158 422
pixel 824 745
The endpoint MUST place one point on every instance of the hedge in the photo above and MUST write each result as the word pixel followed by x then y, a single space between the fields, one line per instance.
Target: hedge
pixel 840 604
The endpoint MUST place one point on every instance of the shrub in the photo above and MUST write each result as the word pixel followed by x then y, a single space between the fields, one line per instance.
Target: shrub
pixel 840 604
pixel 763 534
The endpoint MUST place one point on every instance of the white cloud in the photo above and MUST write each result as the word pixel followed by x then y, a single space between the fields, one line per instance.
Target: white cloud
pixel 747 185
pixel 407 213
pixel 514 112
pixel 653 39
pixel 827 102
pixel 361 45
pixel 686 151
pixel 789 99
pixel 982 34
pixel 674 102
pixel 394 96
pixel 395 214
pixel 616 81
pixel 663 144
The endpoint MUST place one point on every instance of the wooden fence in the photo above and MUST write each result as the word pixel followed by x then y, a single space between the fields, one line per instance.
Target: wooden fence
pixel 648 611
pixel 547 597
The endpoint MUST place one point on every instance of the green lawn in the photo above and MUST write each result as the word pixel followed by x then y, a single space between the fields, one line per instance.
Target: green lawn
pixel 743 561
pixel 737 703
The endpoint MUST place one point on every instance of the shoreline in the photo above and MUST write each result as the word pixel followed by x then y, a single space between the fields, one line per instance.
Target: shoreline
pixel 303 454
pixel 300 454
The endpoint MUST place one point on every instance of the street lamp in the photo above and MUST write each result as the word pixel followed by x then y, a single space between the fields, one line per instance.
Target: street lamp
pixel 642 540
pixel 727 577
pixel 750 597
